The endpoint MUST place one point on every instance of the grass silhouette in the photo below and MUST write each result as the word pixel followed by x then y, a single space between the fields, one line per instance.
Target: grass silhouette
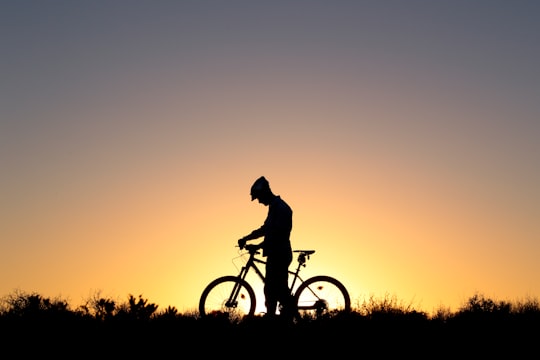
pixel 33 325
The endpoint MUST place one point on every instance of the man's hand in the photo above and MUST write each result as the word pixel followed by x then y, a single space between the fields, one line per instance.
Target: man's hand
pixel 242 243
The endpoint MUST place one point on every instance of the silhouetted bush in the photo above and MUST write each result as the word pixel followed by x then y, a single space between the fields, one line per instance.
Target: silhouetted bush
pixel 136 327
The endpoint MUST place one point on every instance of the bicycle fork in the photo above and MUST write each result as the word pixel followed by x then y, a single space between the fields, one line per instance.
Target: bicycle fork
pixel 232 302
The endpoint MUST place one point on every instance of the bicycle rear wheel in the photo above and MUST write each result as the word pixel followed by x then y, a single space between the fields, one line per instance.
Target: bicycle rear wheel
pixel 227 296
pixel 322 295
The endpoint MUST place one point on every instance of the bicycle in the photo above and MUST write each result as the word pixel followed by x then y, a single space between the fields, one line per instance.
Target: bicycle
pixel 234 297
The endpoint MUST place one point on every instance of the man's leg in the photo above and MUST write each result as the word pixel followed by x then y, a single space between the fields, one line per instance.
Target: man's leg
pixel 286 300
pixel 270 301
pixel 271 291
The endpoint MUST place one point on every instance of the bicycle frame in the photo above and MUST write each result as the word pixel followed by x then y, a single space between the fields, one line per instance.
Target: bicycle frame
pixel 252 264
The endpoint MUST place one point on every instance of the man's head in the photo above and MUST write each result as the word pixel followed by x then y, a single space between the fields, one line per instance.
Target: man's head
pixel 261 190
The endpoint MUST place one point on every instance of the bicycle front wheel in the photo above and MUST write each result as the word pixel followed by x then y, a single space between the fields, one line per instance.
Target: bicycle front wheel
pixel 228 296
pixel 322 295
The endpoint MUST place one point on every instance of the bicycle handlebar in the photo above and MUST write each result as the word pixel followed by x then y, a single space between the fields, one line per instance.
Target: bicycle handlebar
pixel 251 248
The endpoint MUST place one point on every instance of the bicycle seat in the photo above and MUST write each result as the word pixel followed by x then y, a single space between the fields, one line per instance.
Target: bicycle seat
pixel 306 252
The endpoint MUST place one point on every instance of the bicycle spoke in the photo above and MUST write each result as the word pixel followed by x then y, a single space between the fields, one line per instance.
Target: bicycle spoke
pixel 322 295
pixel 220 299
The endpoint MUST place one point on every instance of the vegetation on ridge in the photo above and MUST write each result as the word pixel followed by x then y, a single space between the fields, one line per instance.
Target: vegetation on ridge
pixel 138 327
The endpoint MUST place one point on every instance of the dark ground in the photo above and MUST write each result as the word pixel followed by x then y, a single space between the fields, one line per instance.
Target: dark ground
pixel 350 336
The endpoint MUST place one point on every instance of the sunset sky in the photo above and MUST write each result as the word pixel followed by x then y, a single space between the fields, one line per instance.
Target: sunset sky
pixel 405 135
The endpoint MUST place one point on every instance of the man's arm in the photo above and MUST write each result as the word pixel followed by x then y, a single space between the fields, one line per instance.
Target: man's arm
pixel 255 234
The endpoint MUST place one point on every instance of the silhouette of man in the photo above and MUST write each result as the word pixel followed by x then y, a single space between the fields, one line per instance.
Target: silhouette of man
pixel 276 246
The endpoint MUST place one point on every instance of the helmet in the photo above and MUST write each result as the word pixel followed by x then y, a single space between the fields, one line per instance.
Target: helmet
pixel 260 186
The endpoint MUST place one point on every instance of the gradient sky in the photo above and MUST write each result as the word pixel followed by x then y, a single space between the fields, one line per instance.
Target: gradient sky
pixel 404 135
